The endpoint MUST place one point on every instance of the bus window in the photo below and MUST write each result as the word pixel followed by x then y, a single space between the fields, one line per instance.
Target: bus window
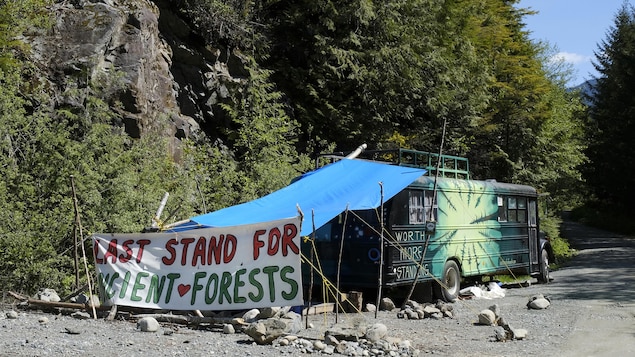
pixel 522 210
pixel 512 209
pixel 416 208
pixel 533 215
pixel 502 209
pixel 429 200
pixel 412 207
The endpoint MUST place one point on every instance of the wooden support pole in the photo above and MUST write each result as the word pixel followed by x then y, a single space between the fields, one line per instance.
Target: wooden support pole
pixel 311 268
pixel 380 282
pixel 81 236
pixel 338 298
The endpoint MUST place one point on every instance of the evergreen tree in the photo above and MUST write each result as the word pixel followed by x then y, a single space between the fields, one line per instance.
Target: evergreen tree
pixel 612 115
pixel 358 71
pixel 509 126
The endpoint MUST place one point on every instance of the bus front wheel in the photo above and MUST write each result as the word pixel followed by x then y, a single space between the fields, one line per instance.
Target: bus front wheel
pixel 450 285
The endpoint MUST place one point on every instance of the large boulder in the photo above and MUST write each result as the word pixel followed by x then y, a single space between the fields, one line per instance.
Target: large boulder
pixel 264 332
pixel 144 59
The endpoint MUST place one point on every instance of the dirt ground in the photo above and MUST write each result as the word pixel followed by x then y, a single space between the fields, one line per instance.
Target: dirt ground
pixel 602 279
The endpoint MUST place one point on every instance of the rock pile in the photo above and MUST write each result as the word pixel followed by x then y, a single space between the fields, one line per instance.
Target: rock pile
pixel 280 326
pixel 503 331
pixel 413 310
pixel 356 338
pixel 268 324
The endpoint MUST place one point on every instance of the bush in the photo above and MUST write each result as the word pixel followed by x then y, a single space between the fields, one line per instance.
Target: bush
pixel 30 262
pixel 550 224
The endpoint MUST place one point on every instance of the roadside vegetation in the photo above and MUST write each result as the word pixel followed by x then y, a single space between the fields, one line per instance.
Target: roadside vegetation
pixel 322 77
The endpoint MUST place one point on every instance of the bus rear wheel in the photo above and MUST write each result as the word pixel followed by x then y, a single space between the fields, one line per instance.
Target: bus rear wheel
pixel 543 278
pixel 450 285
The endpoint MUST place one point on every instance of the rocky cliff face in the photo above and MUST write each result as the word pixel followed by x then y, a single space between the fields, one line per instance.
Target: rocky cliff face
pixel 146 57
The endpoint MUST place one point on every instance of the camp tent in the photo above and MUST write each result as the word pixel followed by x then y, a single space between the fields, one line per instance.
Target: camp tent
pixel 323 194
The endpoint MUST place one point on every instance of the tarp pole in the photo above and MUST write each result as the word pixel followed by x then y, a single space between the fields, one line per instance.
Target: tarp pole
pixel 381 248
pixel 430 216
pixel 339 265
pixel 311 268
pixel 78 222
pixel 157 217
pixel 357 151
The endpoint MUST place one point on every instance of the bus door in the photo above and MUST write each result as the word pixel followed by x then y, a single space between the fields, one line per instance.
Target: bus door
pixel 534 253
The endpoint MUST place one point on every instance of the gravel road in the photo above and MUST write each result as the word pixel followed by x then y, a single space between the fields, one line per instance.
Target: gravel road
pixel 592 313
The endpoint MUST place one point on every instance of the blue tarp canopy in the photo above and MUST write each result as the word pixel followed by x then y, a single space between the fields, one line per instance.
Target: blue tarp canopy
pixel 326 192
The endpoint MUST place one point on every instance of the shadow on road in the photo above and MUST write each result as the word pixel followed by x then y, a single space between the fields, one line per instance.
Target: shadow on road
pixel 603 269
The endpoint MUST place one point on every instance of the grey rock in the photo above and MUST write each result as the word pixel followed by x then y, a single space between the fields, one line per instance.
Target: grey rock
pixel 341 347
pixel 81 315
pixel 487 317
pixel 352 331
pixel 264 332
pixel 48 295
pixel 251 315
pixel 496 309
pixel 293 322
pixel 228 329
pixel 538 304
pixel 80 299
pixel 267 312
pixel 411 315
pixel 148 324
pixel 429 310
pixel 519 333
pixel 412 304
pixel 11 314
pixel 331 340
pixel 405 345
pixel 386 304
pixel 376 332
pixel 501 334
pixel 319 345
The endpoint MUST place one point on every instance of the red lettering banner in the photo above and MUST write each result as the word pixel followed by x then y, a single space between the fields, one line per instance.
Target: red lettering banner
pixel 230 268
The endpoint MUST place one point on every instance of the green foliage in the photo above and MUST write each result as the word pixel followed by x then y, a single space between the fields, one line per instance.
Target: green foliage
pixel 550 224
pixel 262 157
pixel 225 23
pixel 508 128
pixel 28 260
pixel 359 70
pixel 611 126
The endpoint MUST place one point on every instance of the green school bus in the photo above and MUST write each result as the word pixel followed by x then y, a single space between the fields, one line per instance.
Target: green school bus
pixel 443 228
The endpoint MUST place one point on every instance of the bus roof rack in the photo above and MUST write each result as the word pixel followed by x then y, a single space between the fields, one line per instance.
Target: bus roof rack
pixel 450 166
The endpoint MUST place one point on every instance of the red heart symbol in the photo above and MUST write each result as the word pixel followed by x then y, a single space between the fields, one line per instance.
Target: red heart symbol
pixel 183 289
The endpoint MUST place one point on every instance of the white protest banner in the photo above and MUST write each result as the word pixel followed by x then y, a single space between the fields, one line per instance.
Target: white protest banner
pixel 230 268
